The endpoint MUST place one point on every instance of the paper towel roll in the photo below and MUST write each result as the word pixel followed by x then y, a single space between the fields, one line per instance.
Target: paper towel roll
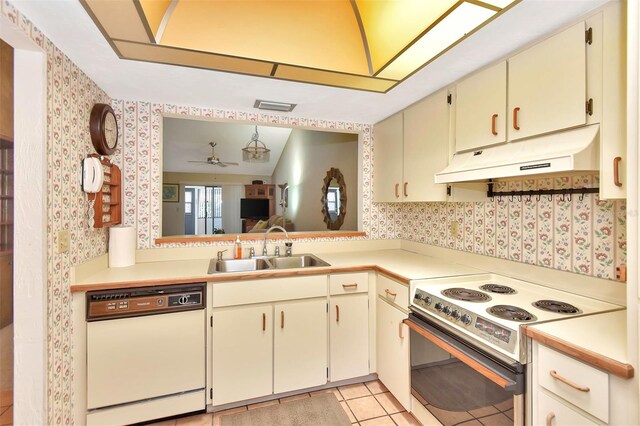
pixel 122 246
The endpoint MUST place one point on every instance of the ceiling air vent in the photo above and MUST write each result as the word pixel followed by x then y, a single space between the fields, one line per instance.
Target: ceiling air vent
pixel 274 106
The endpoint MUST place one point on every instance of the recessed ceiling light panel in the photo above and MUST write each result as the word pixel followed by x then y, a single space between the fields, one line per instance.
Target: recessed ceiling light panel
pixel 274 106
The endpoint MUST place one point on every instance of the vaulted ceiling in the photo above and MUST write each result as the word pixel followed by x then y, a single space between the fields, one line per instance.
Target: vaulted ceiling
pixel 68 25
pixel 368 45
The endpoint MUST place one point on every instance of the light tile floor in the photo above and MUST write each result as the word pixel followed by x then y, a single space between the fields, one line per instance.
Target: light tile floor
pixel 366 404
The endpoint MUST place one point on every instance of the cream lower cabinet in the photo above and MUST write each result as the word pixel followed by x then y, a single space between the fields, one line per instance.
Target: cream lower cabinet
pixel 392 349
pixel 269 348
pixel 242 353
pixel 268 336
pixel 566 391
pixel 349 336
pixel 300 345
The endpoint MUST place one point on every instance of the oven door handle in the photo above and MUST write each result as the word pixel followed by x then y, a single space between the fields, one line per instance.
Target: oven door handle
pixel 504 382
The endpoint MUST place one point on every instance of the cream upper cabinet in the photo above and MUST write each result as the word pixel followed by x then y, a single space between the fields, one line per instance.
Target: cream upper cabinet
pixel 480 109
pixel 242 353
pixel 349 336
pixel 613 135
pixel 300 345
pixel 392 350
pixel 547 85
pixel 426 148
pixel 387 159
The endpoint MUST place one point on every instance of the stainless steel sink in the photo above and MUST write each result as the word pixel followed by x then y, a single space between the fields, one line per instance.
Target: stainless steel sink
pixel 265 263
pixel 298 261
pixel 238 265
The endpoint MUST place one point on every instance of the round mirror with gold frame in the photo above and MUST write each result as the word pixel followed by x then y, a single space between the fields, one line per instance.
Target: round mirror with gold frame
pixel 334 199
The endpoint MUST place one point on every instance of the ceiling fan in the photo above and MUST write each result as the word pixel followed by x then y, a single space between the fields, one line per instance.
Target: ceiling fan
pixel 214 160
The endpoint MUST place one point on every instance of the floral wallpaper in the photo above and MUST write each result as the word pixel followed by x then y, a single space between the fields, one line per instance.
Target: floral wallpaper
pixel 582 234
pixel 70 97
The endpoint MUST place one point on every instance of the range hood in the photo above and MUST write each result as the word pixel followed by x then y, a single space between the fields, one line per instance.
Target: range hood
pixel 570 150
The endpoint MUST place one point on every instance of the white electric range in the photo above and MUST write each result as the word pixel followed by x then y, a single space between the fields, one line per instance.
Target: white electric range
pixel 490 308
pixel 468 356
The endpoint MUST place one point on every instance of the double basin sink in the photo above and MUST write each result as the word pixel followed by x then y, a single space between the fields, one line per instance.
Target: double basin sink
pixel 261 263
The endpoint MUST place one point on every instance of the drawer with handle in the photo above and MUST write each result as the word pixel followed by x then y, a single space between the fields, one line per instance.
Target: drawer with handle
pixel 578 383
pixel 357 282
pixel 551 412
pixel 392 291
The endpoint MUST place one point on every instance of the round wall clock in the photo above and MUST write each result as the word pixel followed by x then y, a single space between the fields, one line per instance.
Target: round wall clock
pixel 103 128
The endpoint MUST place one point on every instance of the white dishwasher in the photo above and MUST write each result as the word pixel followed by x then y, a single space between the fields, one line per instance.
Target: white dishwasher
pixel 145 353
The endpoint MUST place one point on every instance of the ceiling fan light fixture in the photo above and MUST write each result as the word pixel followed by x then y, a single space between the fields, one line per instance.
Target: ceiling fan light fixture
pixel 256 151
pixel 274 106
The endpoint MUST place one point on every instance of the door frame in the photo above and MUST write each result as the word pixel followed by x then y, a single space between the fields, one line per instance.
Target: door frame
pixel 30 248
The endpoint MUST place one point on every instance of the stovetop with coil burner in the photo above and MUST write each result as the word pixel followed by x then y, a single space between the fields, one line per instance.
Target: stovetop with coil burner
pixel 490 308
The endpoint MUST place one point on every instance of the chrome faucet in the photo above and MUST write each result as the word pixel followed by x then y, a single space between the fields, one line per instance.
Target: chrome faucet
pixel 264 246
pixel 220 253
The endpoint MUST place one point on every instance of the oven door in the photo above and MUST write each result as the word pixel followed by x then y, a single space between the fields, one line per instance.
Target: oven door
pixel 456 382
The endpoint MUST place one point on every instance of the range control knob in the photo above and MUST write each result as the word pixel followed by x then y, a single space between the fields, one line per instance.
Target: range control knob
pixel 183 300
pixel 428 301
pixel 455 315
pixel 419 296
pixel 466 319
pixel 439 306
pixel 446 310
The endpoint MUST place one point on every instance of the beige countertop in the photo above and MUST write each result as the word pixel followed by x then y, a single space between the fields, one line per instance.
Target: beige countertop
pixel 400 264
pixel 600 340
pixel 597 339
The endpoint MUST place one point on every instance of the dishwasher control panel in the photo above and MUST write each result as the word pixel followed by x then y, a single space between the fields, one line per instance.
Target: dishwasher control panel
pixel 111 304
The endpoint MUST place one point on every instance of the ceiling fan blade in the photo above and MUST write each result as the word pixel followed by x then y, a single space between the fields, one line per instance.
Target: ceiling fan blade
pixel 221 164
pixel 226 163
pixel 200 162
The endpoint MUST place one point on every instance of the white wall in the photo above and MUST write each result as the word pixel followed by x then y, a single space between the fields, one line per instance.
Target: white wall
pixel 30 283
pixel 304 163
pixel 231 195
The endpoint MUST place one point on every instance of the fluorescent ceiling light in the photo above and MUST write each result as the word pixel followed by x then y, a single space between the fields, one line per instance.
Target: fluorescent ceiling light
pixel 464 19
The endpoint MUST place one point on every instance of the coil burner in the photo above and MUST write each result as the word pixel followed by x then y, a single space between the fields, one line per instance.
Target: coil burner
pixel 557 307
pixel 497 288
pixel 512 313
pixel 466 294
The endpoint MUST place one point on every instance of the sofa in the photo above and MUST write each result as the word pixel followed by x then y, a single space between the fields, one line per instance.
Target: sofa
pixel 263 225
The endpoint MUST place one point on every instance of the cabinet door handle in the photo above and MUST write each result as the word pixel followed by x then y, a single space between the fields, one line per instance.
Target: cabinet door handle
pixel 555 375
pixel 281 319
pixel 264 322
pixel 494 132
pixel 400 334
pixel 516 110
pixel 346 286
pixel 616 171
pixel 405 189
pixel 390 293
pixel 337 313
pixel 550 417
pixel 397 187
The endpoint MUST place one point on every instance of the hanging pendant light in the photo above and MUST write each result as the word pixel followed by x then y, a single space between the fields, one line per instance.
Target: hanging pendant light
pixel 256 151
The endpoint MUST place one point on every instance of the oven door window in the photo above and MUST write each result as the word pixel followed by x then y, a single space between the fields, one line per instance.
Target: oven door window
pixel 452 391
